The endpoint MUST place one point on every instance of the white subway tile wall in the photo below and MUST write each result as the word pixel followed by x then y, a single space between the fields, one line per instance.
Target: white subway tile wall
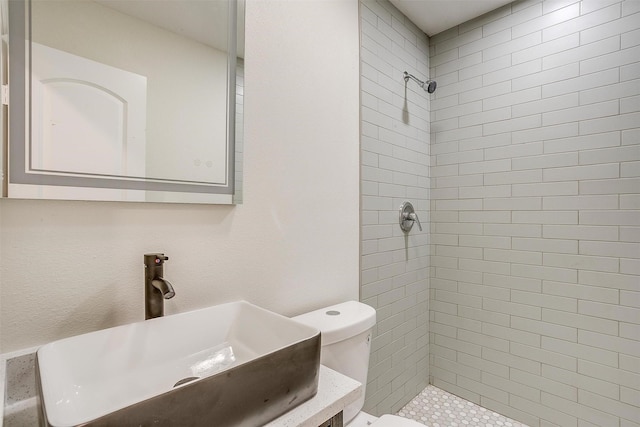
pixel 395 167
pixel 535 212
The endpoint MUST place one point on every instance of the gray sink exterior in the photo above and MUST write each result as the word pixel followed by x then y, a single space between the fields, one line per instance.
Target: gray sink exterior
pixel 248 395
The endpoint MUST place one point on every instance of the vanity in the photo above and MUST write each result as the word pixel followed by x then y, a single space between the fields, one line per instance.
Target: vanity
pixel 335 392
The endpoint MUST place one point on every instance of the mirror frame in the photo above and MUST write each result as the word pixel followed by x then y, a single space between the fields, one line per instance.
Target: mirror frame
pixel 21 182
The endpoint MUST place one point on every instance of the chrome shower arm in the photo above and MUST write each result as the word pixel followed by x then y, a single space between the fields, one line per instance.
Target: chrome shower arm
pixel 408 76
pixel 428 86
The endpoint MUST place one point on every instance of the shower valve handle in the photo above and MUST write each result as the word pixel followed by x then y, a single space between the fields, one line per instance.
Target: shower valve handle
pixel 414 217
pixel 408 217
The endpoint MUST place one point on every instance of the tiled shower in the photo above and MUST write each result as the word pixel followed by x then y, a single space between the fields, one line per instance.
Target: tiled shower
pixel 532 261
pixel 395 168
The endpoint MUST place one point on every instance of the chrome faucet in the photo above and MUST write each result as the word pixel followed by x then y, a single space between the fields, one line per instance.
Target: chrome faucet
pixel 156 287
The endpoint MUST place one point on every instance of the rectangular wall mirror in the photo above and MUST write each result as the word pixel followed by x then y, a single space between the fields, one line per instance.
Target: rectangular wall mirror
pixel 126 100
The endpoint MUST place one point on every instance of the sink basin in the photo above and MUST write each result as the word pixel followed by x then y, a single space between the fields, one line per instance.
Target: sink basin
pixel 233 364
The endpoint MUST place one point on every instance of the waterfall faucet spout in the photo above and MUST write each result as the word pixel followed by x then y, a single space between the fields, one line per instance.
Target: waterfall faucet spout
pixel 156 288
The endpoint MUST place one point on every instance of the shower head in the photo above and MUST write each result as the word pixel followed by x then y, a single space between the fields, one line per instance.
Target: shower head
pixel 429 86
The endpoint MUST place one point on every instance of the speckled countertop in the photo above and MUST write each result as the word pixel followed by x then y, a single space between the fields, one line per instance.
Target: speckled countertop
pixel 335 392
pixel 17 373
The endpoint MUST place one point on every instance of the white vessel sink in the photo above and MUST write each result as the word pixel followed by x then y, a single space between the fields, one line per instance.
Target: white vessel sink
pixel 230 364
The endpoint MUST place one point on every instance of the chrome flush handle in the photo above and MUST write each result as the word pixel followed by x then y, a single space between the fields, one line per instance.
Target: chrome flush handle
pixel 408 217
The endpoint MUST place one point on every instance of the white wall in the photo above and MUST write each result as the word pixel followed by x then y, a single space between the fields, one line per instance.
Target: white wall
pixel 74 267
pixel 535 308
pixel 395 168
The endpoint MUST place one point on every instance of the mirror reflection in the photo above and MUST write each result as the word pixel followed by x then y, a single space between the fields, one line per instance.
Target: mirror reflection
pixel 135 97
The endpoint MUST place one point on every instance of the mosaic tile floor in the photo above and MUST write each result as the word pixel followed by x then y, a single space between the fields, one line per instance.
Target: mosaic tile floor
pixel 437 408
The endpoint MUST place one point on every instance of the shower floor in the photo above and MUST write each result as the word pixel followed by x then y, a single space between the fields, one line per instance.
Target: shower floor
pixel 437 408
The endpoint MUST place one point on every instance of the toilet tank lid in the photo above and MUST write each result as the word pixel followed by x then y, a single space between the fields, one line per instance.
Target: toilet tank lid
pixel 341 321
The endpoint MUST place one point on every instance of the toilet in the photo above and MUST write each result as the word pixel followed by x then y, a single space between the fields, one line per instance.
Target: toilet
pixel 346 343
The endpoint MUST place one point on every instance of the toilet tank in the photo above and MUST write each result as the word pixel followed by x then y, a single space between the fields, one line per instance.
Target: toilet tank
pixel 345 334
